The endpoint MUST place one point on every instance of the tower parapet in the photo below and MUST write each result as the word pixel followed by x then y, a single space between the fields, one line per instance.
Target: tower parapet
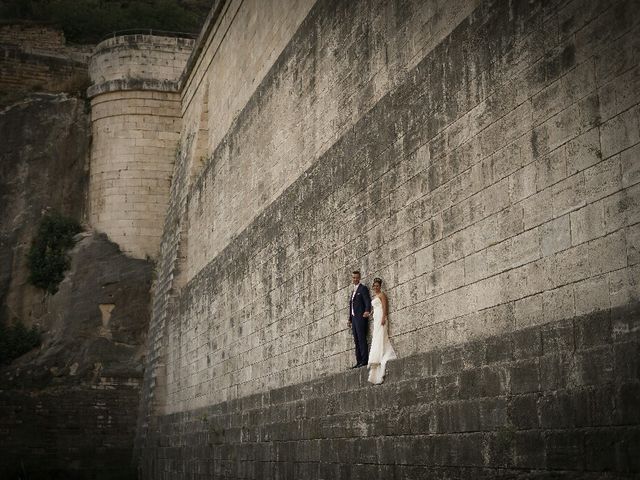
pixel 135 121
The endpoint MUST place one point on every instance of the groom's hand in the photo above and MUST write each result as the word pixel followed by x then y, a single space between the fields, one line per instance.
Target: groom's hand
pixel 365 314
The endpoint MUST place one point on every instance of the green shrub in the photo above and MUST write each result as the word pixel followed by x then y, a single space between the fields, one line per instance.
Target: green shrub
pixel 16 340
pixel 87 21
pixel 48 258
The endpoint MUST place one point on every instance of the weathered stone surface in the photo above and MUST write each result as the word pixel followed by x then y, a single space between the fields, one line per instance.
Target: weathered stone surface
pixel 69 432
pixel 95 324
pixel 69 407
pixel 418 190
pixel 135 122
pixel 37 58
pixel 43 165
pixel 478 156
pixel 497 422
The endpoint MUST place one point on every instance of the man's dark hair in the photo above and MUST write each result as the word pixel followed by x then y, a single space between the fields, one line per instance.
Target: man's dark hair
pixel 356 272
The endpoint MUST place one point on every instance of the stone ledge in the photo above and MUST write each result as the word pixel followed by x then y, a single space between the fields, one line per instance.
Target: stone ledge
pixel 559 397
pixel 133 41
pixel 33 56
pixel 132 84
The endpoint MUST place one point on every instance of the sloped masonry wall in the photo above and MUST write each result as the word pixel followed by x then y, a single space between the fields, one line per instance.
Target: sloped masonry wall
pixel 559 397
pixel 493 185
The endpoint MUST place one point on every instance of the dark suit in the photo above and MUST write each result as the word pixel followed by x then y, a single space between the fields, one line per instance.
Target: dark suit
pixel 360 324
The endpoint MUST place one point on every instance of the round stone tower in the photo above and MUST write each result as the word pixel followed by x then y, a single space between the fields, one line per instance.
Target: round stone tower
pixel 135 118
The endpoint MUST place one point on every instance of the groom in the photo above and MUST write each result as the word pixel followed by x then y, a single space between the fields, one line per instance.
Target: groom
pixel 359 308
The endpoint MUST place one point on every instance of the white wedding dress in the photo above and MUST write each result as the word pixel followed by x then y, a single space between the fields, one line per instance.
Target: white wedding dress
pixel 381 350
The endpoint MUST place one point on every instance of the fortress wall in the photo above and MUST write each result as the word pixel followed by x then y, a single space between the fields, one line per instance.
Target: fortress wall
pixel 35 36
pixel 37 57
pixel 555 400
pixel 134 141
pixel 224 68
pixel 139 56
pixel 22 70
pixel 492 185
pixel 239 186
pixel 317 90
pixel 136 126
pixel 474 188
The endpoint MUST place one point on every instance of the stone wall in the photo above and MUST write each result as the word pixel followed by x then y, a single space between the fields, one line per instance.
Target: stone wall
pixel 36 57
pixel 225 71
pixel 469 188
pixel 478 156
pixel 125 59
pixel 317 89
pixel 21 70
pixel 556 400
pixel 135 126
pixel 69 432
pixel 46 38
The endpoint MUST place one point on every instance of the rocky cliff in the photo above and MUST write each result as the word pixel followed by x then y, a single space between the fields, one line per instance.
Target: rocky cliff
pixel 67 408
pixel 43 165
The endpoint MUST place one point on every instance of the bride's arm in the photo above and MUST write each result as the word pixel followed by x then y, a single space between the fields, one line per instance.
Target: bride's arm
pixel 385 307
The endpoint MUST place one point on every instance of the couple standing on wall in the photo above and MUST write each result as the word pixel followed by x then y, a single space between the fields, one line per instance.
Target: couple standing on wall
pixel 360 305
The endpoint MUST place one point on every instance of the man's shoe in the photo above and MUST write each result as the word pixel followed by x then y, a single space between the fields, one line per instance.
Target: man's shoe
pixel 356 365
pixel 362 365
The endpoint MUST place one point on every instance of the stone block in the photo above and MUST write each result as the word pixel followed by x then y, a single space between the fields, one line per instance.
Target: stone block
pixel 559 303
pixel 475 267
pixel 591 295
pixel 626 362
pixel 557 410
pixel 523 411
pixel 607 253
pixel 529 450
pixel 587 223
pixel 538 208
pixel 551 168
pixel 528 311
pixel 626 411
pixel 526 344
pixel 525 376
pixel 522 183
pixel 482 382
pixel 568 195
pixel 555 235
pixel 602 179
pixel 594 367
pixel 564 448
pixel 498 350
pixel 630 163
pixel 620 132
pixel 621 208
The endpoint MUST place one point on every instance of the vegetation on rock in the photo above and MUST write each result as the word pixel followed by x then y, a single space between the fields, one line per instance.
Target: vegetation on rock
pixel 48 258
pixel 87 21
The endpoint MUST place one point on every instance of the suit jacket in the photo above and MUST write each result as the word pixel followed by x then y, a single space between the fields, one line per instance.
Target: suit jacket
pixel 361 302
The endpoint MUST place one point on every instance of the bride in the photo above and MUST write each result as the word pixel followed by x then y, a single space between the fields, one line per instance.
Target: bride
pixel 381 349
